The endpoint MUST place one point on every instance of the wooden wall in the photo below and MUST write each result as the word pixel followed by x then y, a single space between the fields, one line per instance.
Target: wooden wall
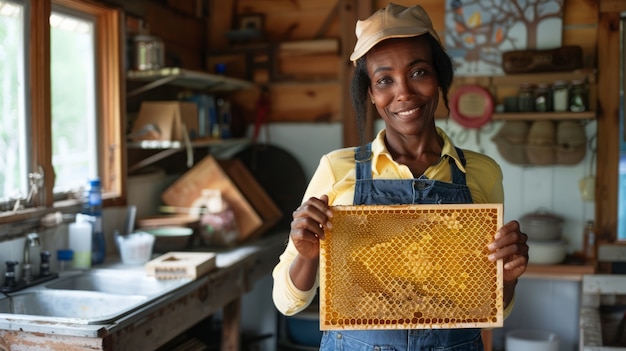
pixel 300 55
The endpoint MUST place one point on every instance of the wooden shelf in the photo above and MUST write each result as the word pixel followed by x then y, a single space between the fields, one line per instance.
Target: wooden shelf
pixel 573 272
pixel 544 116
pixel 507 85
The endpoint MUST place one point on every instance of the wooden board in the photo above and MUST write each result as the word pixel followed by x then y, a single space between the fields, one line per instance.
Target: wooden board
pixel 254 210
pixel 257 196
pixel 411 267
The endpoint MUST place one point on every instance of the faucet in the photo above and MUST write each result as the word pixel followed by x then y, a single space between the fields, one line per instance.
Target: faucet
pixel 32 240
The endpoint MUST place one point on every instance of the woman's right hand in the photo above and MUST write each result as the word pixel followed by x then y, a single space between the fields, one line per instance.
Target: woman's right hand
pixel 307 226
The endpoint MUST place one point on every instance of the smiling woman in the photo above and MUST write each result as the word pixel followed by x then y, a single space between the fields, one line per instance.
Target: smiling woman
pixel 60 102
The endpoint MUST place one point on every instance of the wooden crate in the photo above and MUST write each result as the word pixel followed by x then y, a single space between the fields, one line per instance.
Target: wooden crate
pixel 255 212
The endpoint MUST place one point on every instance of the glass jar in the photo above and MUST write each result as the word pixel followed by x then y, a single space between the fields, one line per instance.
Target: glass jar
pixel 543 98
pixel 578 96
pixel 560 96
pixel 525 98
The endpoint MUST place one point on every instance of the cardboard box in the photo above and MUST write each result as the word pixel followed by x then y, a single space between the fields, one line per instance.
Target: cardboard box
pixel 171 119
pixel 255 212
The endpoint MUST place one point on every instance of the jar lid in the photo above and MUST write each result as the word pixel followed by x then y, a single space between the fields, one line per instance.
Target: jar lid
pixel 65 255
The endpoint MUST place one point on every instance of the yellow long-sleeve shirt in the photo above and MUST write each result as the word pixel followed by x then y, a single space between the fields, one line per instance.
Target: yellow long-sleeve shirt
pixel 336 176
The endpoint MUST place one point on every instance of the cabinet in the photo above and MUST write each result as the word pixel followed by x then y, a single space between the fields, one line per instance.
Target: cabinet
pixel 185 79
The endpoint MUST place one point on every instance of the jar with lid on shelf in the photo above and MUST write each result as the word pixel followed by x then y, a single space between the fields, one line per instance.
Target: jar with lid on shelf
pixel 578 96
pixel 525 98
pixel 543 98
pixel 560 96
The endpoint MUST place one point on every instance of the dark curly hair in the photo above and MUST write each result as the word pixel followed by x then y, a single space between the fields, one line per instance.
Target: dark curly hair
pixel 444 69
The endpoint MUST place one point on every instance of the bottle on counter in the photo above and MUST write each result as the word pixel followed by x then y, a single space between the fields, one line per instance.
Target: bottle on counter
pixel 590 242
pixel 64 260
pixel 92 207
pixel 80 241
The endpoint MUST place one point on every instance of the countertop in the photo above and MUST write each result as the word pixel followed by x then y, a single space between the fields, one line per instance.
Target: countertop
pixel 164 318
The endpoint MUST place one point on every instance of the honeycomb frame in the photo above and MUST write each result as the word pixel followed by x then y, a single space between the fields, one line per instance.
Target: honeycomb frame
pixel 389 267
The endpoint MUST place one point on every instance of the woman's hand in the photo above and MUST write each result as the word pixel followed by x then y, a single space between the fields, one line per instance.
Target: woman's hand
pixel 307 226
pixel 510 245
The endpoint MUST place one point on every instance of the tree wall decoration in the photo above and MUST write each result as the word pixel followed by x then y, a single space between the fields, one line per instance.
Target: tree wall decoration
pixel 479 31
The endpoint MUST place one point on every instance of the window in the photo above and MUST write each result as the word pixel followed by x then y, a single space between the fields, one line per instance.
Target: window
pixel 72 70
pixel 12 115
pixel 60 103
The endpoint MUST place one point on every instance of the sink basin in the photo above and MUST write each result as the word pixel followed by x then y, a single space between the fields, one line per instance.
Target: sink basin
pixel 114 281
pixel 77 306
pixel 96 296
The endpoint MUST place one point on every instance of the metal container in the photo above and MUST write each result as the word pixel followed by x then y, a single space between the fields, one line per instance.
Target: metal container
pixel 149 53
pixel 542 225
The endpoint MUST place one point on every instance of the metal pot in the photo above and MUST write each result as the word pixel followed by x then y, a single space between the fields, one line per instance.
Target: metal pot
pixel 542 225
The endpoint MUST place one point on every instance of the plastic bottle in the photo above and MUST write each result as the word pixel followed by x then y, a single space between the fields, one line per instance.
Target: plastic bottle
pixel 589 244
pixel 80 239
pixel 93 208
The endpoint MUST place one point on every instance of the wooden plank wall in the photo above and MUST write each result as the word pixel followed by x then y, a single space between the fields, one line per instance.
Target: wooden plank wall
pixel 307 86
pixel 294 101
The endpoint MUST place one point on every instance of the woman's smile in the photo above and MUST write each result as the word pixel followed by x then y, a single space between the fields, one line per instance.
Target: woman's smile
pixel 408 113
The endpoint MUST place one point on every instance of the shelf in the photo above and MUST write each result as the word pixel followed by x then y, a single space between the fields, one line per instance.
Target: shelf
pixel 573 272
pixel 534 116
pixel 166 148
pixel 185 78
pixel 174 144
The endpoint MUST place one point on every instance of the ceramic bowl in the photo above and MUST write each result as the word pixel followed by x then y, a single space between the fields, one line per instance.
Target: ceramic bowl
pixel 170 238
pixel 546 251
pixel 535 340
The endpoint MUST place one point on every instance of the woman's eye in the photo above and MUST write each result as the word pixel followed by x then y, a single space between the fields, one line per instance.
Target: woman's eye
pixel 418 73
pixel 383 81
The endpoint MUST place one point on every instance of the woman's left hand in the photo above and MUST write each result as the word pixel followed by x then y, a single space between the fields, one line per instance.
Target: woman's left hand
pixel 510 245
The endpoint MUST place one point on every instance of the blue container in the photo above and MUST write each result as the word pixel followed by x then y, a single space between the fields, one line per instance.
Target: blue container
pixel 303 329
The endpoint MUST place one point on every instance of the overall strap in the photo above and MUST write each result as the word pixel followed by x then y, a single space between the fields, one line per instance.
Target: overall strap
pixel 363 158
pixel 458 177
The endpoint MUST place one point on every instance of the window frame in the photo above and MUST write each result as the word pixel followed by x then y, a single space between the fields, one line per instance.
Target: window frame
pixel 110 48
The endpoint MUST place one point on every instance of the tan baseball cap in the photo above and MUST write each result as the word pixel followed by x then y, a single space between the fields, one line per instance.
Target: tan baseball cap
pixel 393 21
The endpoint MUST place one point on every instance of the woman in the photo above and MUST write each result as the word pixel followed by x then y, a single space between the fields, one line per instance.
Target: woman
pixel 401 68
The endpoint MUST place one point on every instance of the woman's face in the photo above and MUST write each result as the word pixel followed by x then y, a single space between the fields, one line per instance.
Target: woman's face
pixel 404 85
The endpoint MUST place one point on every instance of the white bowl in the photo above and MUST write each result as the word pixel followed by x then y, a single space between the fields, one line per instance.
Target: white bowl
pixel 531 340
pixel 546 251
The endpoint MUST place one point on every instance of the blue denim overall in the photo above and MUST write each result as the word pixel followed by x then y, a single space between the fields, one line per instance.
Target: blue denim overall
pixel 405 191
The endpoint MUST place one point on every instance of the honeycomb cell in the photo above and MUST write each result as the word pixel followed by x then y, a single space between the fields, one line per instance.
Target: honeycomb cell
pixel 409 267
